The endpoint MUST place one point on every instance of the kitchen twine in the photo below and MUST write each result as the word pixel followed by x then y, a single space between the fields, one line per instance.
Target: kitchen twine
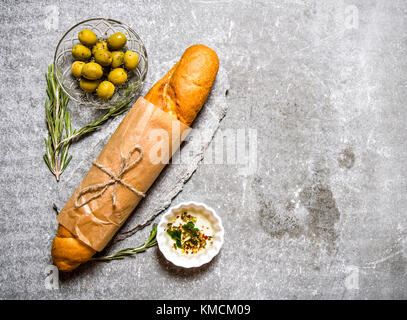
pixel 115 179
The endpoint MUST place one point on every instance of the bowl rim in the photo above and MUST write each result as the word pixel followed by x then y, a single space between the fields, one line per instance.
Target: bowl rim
pixel 189 263
pixel 143 75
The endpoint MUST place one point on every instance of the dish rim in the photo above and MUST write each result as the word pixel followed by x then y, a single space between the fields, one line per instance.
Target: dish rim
pixel 189 261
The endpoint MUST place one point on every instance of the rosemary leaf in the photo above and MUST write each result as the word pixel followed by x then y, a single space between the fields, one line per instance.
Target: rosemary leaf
pixel 121 254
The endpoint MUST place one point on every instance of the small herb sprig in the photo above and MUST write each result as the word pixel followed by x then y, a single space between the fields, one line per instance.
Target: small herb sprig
pixel 151 242
pixel 60 133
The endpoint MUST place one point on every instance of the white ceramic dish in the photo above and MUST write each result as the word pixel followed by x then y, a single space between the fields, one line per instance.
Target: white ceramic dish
pixel 165 243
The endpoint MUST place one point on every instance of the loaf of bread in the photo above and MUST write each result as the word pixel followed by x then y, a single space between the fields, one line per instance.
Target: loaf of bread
pixel 181 93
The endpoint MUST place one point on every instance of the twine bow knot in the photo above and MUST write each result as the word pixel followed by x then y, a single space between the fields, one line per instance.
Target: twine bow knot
pixel 115 179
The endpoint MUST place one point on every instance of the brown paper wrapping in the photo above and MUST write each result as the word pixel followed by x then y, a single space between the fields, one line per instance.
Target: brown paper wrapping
pixel 159 135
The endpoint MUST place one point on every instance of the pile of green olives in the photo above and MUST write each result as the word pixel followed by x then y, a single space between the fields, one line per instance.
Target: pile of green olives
pixel 102 64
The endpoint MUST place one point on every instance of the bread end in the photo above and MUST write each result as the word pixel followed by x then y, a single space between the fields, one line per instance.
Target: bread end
pixel 68 252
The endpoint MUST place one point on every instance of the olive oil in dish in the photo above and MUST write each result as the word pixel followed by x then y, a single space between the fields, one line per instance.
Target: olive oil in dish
pixel 191 233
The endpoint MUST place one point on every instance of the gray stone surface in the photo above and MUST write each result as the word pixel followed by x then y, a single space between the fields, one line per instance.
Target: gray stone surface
pixel 323 213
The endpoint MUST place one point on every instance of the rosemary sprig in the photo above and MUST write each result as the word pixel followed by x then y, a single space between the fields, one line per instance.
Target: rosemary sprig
pixel 57 118
pixel 60 133
pixel 151 242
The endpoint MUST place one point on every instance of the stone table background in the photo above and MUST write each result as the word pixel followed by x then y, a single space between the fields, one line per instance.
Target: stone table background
pixel 323 212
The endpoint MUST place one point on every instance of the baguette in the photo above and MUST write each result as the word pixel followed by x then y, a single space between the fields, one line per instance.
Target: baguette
pixel 181 93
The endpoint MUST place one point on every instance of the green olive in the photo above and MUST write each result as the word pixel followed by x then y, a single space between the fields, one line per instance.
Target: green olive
pixel 101 45
pixel 116 41
pixel 80 52
pixel 89 85
pixel 77 68
pixel 117 76
pixel 87 37
pixel 105 90
pixel 103 57
pixel 130 60
pixel 117 59
pixel 92 71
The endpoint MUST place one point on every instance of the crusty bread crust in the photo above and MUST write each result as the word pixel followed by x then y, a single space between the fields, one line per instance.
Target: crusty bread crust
pixel 68 252
pixel 181 93
pixel 185 88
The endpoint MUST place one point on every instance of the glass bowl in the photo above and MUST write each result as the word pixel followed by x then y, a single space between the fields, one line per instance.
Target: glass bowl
pixel 103 28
